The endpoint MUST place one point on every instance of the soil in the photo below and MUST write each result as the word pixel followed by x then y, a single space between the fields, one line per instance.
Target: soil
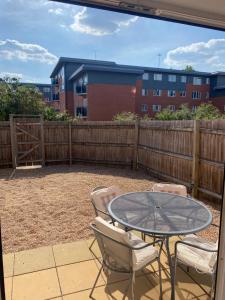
pixel 51 205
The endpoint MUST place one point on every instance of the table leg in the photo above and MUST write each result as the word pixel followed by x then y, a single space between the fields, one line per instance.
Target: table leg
pixel 171 268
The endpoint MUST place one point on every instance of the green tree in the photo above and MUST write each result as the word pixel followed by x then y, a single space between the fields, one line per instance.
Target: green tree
pixel 207 111
pixel 125 116
pixel 165 115
pixel 18 99
pixel 183 113
pixel 189 68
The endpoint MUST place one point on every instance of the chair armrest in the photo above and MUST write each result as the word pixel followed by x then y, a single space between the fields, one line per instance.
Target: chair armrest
pixel 194 246
pixel 160 242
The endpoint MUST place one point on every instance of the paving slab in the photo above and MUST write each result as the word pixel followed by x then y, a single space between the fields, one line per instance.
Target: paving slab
pixel 33 260
pixel 71 252
pixel 8 263
pixel 79 276
pixel 36 286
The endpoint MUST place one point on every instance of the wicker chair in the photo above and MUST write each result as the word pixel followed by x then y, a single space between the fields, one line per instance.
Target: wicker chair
pixel 100 198
pixel 194 251
pixel 124 252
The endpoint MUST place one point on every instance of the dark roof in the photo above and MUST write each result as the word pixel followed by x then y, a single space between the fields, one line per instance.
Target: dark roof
pixel 113 69
pixel 63 60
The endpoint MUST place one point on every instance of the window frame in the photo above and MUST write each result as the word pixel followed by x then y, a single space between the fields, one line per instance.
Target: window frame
pixel 157 94
pixel 169 95
pixel 145 76
pixel 182 77
pixel 144 92
pixel 156 105
pixel 182 93
pixel 145 106
pixel 197 93
pixel 172 76
pixel 156 76
pixel 195 80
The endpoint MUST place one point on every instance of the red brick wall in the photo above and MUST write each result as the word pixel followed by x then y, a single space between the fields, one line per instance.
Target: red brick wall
pixel 54 104
pixel 219 102
pixel 62 99
pixel 165 101
pixel 70 102
pixel 106 100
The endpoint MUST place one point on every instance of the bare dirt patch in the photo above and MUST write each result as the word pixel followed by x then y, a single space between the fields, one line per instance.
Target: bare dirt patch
pixel 51 205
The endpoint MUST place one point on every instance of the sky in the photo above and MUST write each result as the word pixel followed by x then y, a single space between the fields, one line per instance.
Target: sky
pixel 35 33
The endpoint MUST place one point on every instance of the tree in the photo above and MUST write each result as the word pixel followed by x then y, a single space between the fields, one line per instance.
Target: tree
pixel 207 111
pixel 18 99
pixel 165 115
pixel 189 68
pixel 125 116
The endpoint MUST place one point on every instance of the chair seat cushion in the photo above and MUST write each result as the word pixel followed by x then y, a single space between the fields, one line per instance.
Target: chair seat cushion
pixel 199 259
pixel 143 256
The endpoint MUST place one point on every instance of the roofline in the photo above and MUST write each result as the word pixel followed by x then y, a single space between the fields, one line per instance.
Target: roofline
pixel 35 83
pixel 112 69
pixel 63 59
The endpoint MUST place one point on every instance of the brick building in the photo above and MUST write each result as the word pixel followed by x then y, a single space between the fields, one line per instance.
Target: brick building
pixel 46 90
pixel 97 90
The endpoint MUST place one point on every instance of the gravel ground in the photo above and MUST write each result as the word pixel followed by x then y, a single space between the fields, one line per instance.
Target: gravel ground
pixel 51 205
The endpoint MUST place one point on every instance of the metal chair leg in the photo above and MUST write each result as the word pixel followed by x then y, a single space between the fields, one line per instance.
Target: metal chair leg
pixel 96 280
pixel 160 278
pixel 92 244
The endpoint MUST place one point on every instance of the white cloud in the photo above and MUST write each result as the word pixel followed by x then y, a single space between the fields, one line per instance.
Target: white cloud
pixel 56 11
pixel 100 23
pixel 13 49
pixel 209 56
pixel 11 75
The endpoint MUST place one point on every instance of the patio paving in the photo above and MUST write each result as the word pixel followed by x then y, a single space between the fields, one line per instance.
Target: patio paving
pixel 68 271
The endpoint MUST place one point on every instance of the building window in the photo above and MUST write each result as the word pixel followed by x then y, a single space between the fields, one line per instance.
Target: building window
pixel 156 107
pixel 196 95
pixel 183 79
pixel 144 92
pixel 171 93
pixel 207 95
pixel 145 76
pixel 172 107
pixel 207 80
pixel 46 89
pixel 158 76
pixel 172 78
pixel 182 93
pixel 144 107
pixel 197 80
pixel 194 107
pixel 157 92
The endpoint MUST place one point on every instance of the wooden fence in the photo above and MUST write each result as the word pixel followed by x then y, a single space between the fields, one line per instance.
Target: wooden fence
pixel 187 152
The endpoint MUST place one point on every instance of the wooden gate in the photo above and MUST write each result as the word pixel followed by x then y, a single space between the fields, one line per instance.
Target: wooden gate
pixel 27 140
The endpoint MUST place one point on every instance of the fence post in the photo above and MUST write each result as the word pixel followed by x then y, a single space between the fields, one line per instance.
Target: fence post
pixel 70 143
pixel 195 161
pixel 136 142
pixel 42 140
pixel 13 145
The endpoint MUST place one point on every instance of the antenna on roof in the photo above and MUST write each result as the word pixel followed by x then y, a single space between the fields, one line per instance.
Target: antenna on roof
pixel 159 59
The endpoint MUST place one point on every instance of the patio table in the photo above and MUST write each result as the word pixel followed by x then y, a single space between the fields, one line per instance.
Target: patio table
pixel 160 214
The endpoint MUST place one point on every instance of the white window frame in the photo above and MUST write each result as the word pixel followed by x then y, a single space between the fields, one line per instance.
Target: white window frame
pixel 182 93
pixel 157 76
pixel 197 81
pixel 194 107
pixel 144 92
pixel 156 107
pixel 172 107
pixel 196 95
pixel 46 89
pixel 144 107
pixel 172 78
pixel 171 93
pixel 157 92
pixel 183 78
pixel 207 80
pixel 145 76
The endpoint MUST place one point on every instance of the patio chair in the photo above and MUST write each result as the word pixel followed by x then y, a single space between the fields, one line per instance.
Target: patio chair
pixel 100 198
pixel 124 252
pixel 170 188
pixel 194 251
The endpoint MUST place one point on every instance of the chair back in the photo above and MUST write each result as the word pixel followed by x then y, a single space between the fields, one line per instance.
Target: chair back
pixel 170 188
pixel 114 246
pixel 101 197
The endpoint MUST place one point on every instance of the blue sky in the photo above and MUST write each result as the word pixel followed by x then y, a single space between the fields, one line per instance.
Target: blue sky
pixel 34 33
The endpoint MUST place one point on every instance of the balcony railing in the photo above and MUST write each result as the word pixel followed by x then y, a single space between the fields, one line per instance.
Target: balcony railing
pixel 81 89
